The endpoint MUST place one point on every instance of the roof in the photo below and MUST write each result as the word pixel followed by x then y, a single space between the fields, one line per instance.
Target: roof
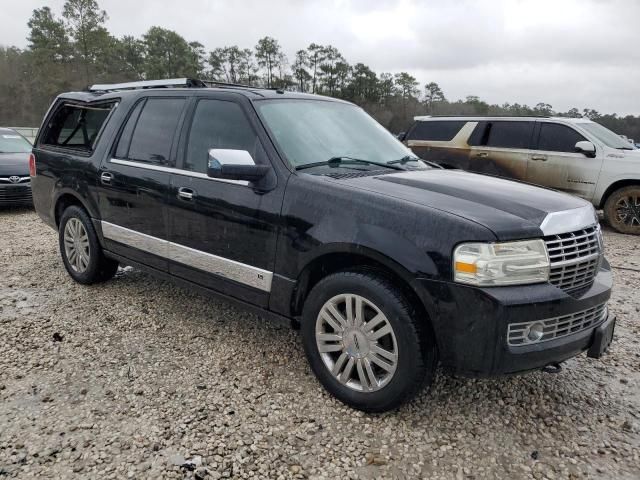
pixel 119 90
pixel 427 118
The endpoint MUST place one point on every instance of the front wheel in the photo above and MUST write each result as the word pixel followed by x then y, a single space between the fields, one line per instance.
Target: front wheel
pixel 80 250
pixel 622 210
pixel 365 343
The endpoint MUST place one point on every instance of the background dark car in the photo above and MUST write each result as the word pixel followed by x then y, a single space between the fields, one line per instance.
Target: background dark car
pixel 15 182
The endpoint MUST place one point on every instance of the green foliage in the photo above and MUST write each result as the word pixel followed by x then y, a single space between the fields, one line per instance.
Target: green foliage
pixel 269 57
pixel 76 50
pixel 84 21
pixel 168 55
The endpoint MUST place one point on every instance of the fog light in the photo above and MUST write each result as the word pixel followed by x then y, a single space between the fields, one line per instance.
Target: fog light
pixel 535 332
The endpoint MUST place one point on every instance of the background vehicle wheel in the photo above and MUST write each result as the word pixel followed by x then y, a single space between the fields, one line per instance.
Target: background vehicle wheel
pixel 80 250
pixel 622 210
pixel 364 342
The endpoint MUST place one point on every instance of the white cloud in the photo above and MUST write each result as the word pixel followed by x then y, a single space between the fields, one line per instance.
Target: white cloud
pixel 564 52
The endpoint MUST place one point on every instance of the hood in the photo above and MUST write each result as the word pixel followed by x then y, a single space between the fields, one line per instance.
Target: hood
pixel 635 154
pixel 14 164
pixel 512 210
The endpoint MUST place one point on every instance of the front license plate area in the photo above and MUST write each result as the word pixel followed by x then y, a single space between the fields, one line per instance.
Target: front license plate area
pixel 602 337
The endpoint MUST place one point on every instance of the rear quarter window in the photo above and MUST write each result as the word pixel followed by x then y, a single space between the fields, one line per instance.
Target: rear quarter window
pixel 76 127
pixel 439 131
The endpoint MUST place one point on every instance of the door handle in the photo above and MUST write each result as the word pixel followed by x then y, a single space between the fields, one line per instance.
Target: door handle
pixel 482 155
pixel 106 178
pixel 186 194
pixel 542 158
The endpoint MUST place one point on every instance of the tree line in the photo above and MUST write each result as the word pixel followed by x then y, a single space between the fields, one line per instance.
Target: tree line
pixel 73 49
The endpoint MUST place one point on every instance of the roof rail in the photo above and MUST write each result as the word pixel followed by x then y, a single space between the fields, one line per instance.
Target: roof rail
pixel 216 83
pixel 167 83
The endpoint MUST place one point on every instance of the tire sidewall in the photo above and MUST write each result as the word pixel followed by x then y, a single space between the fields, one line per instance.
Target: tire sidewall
pixel 610 210
pixel 410 367
pixel 91 274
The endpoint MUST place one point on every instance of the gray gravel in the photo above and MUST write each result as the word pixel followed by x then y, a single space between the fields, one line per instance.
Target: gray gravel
pixel 137 378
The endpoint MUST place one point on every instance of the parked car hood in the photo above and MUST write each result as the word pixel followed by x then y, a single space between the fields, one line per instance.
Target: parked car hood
pixel 512 210
pixel 14 164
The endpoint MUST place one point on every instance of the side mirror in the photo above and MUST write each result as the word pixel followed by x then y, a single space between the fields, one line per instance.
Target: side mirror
pixel 401 136
pixel 234 165
pixel 587 148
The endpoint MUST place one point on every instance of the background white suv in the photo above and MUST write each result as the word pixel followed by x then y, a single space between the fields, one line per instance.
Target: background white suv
pixel 577 156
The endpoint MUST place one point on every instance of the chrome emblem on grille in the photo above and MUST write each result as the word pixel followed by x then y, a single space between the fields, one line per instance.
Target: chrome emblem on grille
pixel 14 179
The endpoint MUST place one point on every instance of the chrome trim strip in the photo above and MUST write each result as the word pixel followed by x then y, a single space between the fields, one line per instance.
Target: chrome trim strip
pixel 175 171
pixel 224 267
pixel 135 239
pixel 569 220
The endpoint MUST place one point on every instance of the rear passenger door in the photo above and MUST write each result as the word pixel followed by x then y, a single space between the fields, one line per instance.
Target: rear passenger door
pixel 556 164
pixel 133 181
pixel 501 147
pixel 223 232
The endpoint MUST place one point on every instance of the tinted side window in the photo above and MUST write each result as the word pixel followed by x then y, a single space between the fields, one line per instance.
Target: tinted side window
pixel 508 134
pixel 127 131
pixel 76 126
pixel 435 130
pixel 558 138
pixel 154 131
pixel 217 124
pixel 477 135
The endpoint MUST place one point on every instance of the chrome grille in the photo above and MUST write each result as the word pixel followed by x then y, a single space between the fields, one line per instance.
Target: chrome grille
pixel 557 327
pixel 574 258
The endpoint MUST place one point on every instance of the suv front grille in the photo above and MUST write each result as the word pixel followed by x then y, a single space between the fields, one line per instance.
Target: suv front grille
pixel 574 257
pixel 557 327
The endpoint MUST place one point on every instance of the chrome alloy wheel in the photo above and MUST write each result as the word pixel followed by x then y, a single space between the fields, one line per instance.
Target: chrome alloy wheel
pixel 76 245
pixel 356 342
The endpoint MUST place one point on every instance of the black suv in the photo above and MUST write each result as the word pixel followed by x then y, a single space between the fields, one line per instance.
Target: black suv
pixel 303 207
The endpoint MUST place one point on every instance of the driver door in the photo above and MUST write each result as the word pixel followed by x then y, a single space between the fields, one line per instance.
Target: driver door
pixel 223 232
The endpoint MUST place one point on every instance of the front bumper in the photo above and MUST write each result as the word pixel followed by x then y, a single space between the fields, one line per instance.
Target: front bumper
pixel 15 194
pixel 471 324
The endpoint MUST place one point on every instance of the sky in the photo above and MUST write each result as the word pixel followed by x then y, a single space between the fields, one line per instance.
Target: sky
pixel 568 53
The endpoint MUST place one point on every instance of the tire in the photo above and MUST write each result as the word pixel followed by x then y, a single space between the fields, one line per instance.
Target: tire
pixel 410 339
pixel 622 210
pixel 88 267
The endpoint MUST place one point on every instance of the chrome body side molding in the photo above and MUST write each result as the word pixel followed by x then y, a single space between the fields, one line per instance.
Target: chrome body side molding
pixel 134 239
pixel 175 171
pixel 224 267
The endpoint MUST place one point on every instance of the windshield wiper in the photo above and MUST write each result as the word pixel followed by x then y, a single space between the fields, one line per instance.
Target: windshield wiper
pixel 344 160
pixel 410 158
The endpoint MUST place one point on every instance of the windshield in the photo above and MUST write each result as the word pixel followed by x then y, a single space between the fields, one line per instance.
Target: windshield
pixel 13 143
pixel 606 136
pixel 313 131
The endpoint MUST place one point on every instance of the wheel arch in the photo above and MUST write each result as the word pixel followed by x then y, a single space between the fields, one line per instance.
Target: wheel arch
pixel 342 257
pixel 65 199
pixel 616 186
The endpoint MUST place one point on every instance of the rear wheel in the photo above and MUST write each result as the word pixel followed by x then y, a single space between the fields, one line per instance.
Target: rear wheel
pixel 364 342
pixel 622 210
pixel 80 250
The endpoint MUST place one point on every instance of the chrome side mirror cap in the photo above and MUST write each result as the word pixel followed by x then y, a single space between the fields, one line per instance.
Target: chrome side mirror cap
pixel 231 164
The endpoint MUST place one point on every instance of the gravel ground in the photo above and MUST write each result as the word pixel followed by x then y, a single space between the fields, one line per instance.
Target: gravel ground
pixel 137 378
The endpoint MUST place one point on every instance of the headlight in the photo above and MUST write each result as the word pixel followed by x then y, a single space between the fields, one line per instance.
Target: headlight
pixel 508 263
